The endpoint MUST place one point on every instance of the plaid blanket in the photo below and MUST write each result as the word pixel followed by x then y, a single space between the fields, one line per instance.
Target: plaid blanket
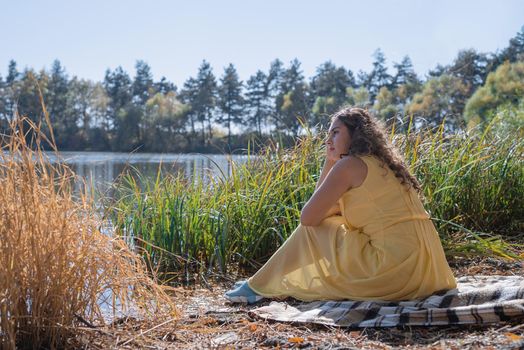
pixel 476 300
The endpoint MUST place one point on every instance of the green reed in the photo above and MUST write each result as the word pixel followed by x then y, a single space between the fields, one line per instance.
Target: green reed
pixel 473 185
pixel 473 181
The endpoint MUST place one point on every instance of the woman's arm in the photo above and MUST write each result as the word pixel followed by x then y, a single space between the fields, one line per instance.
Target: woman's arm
pixel 328 164
pixel 346 173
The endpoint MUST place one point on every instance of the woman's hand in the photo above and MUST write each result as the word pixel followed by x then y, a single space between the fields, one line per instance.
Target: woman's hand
pixel 334 210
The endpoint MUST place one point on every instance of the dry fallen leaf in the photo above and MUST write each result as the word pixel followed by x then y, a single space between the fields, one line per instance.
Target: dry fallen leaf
pixel 513 336
pixel 296 340
pixel 253 327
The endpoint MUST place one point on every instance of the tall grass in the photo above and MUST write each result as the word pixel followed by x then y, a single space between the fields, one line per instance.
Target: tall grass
pixel 56 268
pixel 206 223
pixel 473 184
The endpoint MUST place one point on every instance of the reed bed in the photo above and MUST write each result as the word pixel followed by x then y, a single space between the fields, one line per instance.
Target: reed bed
pixel 473 186
pixel 57 270
pixel 206 224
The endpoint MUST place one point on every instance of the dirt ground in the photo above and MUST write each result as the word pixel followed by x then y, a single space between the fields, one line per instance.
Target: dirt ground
pixel 206 320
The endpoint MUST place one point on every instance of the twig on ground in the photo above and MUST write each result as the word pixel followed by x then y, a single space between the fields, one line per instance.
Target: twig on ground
pixel 142 333
pixel 92 326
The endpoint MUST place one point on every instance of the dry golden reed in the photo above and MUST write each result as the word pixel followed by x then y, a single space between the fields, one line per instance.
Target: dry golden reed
pixel 55 264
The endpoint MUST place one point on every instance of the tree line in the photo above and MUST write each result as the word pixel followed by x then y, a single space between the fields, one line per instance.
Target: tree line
pixel 210 113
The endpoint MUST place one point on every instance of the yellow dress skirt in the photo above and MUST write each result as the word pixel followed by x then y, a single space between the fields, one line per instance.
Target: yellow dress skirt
pixel 382 247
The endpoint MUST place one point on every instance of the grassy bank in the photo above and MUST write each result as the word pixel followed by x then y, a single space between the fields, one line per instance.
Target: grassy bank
pixel 473 184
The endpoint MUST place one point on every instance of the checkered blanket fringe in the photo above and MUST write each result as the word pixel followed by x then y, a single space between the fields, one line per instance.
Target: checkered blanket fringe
pixel 476 300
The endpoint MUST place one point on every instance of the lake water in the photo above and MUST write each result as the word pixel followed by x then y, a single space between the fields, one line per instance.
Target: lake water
pixel 101 169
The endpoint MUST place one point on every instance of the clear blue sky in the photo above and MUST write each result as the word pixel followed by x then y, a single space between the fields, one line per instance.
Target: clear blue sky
pixel 175 36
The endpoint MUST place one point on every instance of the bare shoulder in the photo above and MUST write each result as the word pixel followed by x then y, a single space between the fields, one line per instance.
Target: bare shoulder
pixel 355 168
pixel 352 164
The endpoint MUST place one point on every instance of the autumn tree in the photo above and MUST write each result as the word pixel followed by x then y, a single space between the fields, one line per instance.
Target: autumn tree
pixel 164 123
pixel 385 106
pixel 504 87
pixel 436 102
pixel 358 97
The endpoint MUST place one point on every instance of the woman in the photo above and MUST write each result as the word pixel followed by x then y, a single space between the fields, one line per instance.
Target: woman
pixel 363 235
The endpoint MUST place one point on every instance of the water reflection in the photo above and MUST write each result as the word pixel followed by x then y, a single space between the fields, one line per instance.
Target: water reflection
pixel 101 169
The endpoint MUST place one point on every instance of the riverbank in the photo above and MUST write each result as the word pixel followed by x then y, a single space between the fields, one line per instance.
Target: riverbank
pixel 207 321
pixel 193 233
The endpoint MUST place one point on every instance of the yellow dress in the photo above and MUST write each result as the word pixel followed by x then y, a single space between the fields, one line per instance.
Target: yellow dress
pixel 382 247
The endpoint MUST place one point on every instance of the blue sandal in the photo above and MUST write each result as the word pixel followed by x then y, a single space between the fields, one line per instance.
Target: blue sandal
pixel 242 293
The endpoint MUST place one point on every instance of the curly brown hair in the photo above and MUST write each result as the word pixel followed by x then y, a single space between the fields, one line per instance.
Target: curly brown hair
pixel 368 137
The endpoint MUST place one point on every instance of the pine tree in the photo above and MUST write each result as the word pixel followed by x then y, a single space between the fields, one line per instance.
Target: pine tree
pixel 119 89
pixel 470 67
pixel 275 76
pixel 142 84
pixel 3 115
pixel 257 100
pixel 437 71
pixel 291 103
pixel 405 73
pixel 123 128
pixel 206 100
pixel 164 86
pixel 331 80
pixel 11 90
pixel 57 99
pixel 379 76
pixel 26 94
pixel 188 96
pixel 515 51
pixel 200 95
pixel 328 90
pixel 405 84
pixel 230 100
pixel 12 72
pixel 274 86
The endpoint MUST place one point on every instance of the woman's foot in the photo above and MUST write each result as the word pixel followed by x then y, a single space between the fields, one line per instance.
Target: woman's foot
pixel 243 294
pixel 239 283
